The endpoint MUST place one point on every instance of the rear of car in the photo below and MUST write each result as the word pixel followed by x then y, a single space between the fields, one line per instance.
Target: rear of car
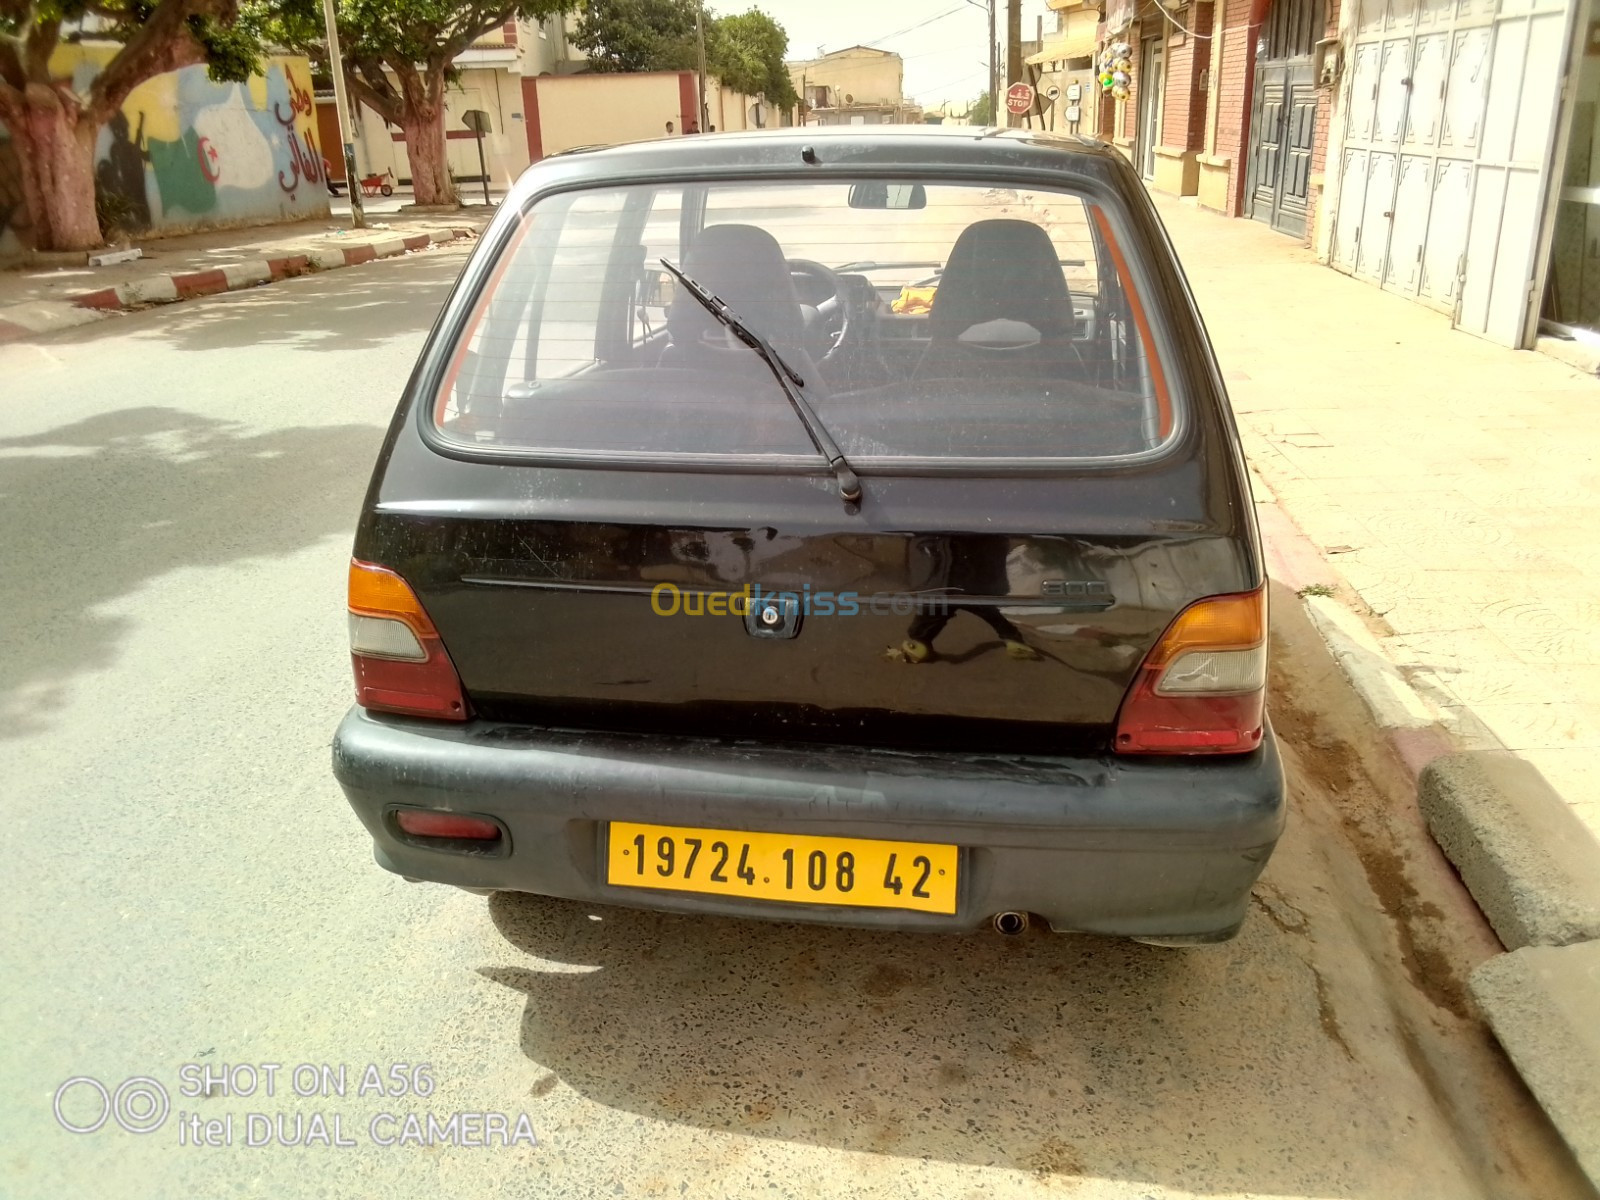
pixel 623 632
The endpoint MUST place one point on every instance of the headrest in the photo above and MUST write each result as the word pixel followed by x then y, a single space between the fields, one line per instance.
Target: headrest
pixel 744 267
pixel 1001 270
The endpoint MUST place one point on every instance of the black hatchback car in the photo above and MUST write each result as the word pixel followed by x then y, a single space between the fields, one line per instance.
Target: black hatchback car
pixel 843 526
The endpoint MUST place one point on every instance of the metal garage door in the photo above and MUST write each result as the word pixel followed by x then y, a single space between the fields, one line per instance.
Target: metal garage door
pixel 1451 107
pixel 1283 120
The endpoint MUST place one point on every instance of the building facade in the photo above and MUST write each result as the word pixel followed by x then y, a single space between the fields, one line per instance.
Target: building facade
pixel 859 85
pixel 1444 150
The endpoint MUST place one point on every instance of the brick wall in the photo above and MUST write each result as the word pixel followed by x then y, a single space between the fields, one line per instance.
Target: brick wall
pixel 1130 106
pixel 1183 117
pixel 1232 84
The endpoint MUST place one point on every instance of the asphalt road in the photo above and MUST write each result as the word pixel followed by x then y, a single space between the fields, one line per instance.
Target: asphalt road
pixel 186 890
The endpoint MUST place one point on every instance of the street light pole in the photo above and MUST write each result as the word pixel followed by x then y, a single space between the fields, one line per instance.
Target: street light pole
pixel 341 104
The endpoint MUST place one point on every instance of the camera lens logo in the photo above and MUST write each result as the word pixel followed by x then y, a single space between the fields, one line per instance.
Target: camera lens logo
pixel 139 1105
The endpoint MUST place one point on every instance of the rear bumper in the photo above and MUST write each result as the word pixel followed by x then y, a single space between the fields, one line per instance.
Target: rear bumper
pixel 1146 848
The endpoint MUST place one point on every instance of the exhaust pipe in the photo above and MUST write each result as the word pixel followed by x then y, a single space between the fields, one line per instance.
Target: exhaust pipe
pixel 1010 923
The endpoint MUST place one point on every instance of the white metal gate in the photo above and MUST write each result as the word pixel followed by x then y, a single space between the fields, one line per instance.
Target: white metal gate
pixel 1450 118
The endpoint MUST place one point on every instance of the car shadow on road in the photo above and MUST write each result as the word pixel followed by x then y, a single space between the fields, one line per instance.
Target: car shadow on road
pixel 1049 1054
pixel 91 511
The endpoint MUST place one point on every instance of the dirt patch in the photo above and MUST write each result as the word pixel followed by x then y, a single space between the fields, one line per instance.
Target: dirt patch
pixel 885 980
pixel 1324 754
pixel 1055 1157
pixel 1423 936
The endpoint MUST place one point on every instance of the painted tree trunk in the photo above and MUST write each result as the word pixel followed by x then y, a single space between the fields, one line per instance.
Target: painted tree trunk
pixel 425 148
pixel 55 148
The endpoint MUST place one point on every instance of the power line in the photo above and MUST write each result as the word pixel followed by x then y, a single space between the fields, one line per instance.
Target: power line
pixel 951 82
pixel 910 28
pixel 1161 8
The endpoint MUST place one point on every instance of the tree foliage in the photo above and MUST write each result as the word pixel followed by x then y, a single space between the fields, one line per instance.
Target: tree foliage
pixel 979 113
pixel 417 40
pixel 398 57
pixel 744 50
pixel 638 35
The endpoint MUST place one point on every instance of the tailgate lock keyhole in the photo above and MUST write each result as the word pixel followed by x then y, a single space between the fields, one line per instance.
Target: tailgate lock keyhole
pixel 773 615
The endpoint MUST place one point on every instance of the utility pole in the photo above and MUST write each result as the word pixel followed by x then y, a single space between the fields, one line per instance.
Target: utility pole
pixel 700 36
pixel 988 6
pixel 1013 52
pixel 341 105
pixel 994 68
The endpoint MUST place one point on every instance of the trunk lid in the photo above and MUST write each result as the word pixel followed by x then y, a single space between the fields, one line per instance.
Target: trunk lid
pixel 934 634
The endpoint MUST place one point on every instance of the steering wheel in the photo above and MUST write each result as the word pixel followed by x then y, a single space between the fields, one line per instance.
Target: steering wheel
pixel 838 310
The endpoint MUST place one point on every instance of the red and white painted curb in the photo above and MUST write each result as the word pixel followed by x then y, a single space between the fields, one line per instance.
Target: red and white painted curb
pixel 1409 721
pixel 45 316
pixel 165 289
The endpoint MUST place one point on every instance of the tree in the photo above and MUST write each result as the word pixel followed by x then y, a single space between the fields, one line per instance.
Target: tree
pixel 399 55
pixel 979 113
pixel 745 51
pixel 638 35
pixel 54 125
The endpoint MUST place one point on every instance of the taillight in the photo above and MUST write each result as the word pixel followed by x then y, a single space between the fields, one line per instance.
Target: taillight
pixel 400 663
pixel 1202 687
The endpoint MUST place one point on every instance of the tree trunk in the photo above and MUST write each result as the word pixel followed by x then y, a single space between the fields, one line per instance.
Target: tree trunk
pixel 55 147
pixel 423 127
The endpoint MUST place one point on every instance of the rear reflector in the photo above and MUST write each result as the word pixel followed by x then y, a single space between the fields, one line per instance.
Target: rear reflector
pixel 399 661
pixel 1202 687
pixel 426 823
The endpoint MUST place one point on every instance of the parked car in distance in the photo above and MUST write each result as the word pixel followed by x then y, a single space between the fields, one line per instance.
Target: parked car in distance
pixel 840 526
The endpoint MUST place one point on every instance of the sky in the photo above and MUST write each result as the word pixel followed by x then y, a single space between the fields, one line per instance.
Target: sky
pixel 943 42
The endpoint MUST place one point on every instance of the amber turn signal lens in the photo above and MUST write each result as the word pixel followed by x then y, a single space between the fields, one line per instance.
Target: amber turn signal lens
pixel 378 592
pixel 1233 622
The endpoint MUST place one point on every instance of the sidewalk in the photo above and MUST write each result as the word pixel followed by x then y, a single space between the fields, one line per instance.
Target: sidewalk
pixel 1451 483
pixel 41 299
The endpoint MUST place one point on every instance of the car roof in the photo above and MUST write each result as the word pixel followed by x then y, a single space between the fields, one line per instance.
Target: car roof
pixel 800 150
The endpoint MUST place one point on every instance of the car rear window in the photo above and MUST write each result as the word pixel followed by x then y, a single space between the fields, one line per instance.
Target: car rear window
pixel 927 321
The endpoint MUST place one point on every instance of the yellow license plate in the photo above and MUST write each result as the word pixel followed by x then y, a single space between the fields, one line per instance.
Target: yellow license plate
pixel 783 866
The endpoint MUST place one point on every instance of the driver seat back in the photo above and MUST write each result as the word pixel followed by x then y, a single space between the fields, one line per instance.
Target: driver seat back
pixel 744 267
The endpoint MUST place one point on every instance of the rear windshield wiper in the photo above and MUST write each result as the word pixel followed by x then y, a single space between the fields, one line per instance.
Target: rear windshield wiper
pixel 788 379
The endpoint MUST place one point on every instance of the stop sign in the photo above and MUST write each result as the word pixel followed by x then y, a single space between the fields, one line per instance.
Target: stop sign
pixel 1019 99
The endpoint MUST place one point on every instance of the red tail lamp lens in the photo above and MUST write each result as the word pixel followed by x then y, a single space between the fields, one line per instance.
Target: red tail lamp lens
pixel 427 823
pixel 1202 687
pixel 399 661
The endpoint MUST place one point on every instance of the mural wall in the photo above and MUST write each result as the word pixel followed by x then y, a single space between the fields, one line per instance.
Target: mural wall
pixel 186 153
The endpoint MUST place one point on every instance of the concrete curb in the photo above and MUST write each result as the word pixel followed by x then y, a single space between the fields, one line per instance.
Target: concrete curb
pixel 164 289
pixel 1410 723
pixel 1528 861
pixel 45 316
pixel 1543 1003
